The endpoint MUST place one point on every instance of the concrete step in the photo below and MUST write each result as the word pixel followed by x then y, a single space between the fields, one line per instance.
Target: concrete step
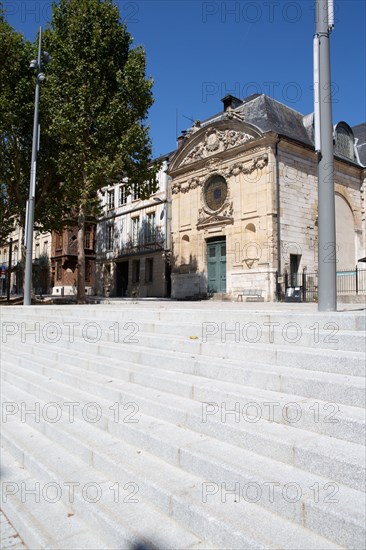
pixel 306 358
pixel 285 355
pixel 223 463
pixel 238 523
pixel 344 389
pixel 170 313
pixel 287 333
pixel 314 415
pixel 40 522
pixel 341 461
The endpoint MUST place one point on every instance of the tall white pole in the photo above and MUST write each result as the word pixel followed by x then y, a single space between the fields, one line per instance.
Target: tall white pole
pixel 316 95
pixel 327 260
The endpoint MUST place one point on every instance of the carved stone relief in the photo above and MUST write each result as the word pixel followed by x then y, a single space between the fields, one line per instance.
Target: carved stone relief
pixel 233 170
pixel 216 141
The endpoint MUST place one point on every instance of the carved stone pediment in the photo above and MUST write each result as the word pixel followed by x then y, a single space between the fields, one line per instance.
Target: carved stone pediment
pixel 214 220
pixel 204 141
pixel 216 141
pixel 223 216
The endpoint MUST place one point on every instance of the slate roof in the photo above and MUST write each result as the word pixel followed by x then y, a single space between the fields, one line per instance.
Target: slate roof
pixel 269 115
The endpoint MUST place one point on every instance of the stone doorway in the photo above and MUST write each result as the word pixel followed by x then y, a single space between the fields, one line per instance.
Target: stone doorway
pixel 216 265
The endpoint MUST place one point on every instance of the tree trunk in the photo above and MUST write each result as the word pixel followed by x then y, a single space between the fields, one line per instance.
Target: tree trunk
pixel 81 257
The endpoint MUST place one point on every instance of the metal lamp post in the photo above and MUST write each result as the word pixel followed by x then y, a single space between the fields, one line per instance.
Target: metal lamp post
pixel 327 261
pixel 29 222
pixel 8 282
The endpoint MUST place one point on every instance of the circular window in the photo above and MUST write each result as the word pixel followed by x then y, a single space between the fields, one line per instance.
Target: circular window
pixel 215 192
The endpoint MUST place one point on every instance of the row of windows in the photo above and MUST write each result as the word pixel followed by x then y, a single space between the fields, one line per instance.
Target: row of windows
pixel 88 239
pixel 149 270
pixel 141 233
pixel 14 256
pixel 123 195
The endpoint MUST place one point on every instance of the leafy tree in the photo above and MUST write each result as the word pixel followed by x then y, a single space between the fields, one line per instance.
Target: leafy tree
pixel 16 96
pixel 17 86
pixel 98 98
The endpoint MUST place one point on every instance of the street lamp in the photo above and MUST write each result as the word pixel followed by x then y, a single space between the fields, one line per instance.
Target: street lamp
pixel 327 277
pixel 29 220
pixel 8 282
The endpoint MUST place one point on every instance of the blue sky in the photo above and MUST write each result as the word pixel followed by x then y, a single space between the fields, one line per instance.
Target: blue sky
pixel 198 51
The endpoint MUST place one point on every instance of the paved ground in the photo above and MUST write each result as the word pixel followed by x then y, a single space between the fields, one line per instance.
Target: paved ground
pixel 307 307
pixel 9 538
pixel 304 307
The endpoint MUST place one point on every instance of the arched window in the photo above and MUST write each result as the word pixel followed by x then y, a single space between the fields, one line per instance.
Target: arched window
pixel 344 141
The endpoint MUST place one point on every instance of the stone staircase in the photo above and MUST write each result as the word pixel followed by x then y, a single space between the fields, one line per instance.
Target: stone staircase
pixel 184 426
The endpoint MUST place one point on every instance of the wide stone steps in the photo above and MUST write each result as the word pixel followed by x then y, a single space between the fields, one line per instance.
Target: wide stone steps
pixel 324 417
pixel 224 465
pixel 337 459
pixel 245 439
pixel 314 358
pixel 240 524
pixel 282 332
pixel 171 314
pixel 345 389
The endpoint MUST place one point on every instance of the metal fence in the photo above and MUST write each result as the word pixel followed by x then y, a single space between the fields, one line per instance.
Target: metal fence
pixel 350 282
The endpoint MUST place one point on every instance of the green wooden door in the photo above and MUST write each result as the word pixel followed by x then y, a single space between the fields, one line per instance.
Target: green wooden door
pixel 216 266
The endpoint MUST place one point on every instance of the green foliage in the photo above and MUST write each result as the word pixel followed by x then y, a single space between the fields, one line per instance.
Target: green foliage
pixel 98 100
pixel 17 88
pixel 93 109
pixel 16 108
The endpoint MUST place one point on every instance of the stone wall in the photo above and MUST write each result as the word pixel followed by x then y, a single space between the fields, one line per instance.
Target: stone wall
pixel 246 221
pixel 299 209
pixel 261 235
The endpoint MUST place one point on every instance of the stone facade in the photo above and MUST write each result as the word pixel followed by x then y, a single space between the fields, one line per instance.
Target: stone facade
pixel 41 255
pixel 266 219
pixel 133 241
pixel 14 259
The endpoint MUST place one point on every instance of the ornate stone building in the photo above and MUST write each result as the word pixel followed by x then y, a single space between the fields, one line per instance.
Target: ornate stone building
pixel 244 199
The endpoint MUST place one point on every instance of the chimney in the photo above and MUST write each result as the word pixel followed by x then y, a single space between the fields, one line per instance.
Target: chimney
pixel 181 139
pixel 231 102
